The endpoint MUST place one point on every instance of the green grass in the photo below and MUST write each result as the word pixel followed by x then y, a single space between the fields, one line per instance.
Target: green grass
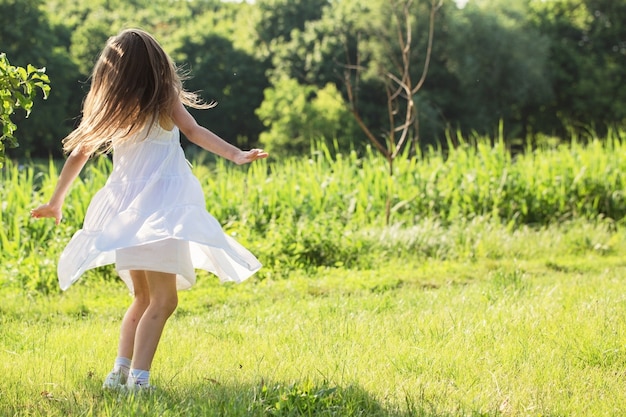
pixel 514 337
pixel 496 291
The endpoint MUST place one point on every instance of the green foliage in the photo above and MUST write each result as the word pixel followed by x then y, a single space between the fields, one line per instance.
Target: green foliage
pixel 295 114
pixel 28 37
pixel 586 59
pixel 89 38
pixel 18 87
pixel 314 54
pixel 541 67
pixel 276 19
pixel 224 74
pixel 499 64
pixel 296 400
pixel 325 211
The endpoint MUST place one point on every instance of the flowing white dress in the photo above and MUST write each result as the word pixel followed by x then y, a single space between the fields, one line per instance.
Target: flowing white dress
pixel 151 215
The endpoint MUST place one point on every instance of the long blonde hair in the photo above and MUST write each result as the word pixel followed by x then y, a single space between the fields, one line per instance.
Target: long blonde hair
pixel 134 83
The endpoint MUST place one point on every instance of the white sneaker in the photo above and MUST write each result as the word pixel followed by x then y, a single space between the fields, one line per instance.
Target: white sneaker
pixel 114 380
pixel 135 386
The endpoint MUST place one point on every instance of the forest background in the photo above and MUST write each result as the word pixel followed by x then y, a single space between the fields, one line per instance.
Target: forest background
pixel 532 71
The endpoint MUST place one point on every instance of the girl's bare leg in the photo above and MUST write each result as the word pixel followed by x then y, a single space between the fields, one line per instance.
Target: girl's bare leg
pixel 163 301
pixel 133 314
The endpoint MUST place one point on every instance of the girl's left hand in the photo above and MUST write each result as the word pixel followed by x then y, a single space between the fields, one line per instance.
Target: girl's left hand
pixel 245 157
pixel 46 210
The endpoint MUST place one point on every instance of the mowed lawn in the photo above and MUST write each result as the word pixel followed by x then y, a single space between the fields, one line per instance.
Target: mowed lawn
pixel 526 337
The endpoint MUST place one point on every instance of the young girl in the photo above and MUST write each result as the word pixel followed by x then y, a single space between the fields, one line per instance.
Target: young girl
pixel 150 217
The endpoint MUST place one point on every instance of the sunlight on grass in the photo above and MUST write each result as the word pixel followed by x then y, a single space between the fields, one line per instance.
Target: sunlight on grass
pixel 509 339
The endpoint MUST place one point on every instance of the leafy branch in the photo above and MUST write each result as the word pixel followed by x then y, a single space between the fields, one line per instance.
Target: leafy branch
pixel 18 87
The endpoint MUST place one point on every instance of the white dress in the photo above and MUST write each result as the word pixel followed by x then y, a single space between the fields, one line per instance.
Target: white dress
pixel 151 215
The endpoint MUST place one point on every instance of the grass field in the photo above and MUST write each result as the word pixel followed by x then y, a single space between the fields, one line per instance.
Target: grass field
pixel 497 290
pixel 527 337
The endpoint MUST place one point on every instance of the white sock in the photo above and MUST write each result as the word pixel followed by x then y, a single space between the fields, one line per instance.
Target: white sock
pixel 138 377
pixel 121 365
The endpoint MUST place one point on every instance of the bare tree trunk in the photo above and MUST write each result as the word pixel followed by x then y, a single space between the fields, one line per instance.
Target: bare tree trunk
pixel 399 88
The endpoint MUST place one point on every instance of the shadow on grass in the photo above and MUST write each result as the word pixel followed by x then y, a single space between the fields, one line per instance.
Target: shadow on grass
pixel 264 399
pixel 211 398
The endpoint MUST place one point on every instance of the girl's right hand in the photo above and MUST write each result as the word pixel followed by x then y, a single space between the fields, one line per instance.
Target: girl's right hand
pixel 47 210
pixel 245 157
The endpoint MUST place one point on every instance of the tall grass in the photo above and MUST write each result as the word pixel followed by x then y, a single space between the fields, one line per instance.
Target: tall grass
pixel 323 210
pixel 474 179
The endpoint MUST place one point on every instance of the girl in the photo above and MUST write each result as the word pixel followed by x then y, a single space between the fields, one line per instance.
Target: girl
pixel 150 217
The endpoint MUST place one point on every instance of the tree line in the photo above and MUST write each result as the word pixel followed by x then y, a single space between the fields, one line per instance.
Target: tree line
pixel 283 71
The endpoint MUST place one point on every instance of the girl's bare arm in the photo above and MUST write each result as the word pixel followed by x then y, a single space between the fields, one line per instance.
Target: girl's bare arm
pixel 209 141
pixel 72 167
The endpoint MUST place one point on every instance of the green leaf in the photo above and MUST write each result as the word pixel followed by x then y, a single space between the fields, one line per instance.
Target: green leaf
pixel 18 87
pixel 22 74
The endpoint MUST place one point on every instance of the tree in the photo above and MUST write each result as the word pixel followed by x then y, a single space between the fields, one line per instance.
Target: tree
pixel 396 48
pixel 18 87
pixel 499 66
pixel 297 114
pixel 276 19
pixel 231 77
pixel 587 57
